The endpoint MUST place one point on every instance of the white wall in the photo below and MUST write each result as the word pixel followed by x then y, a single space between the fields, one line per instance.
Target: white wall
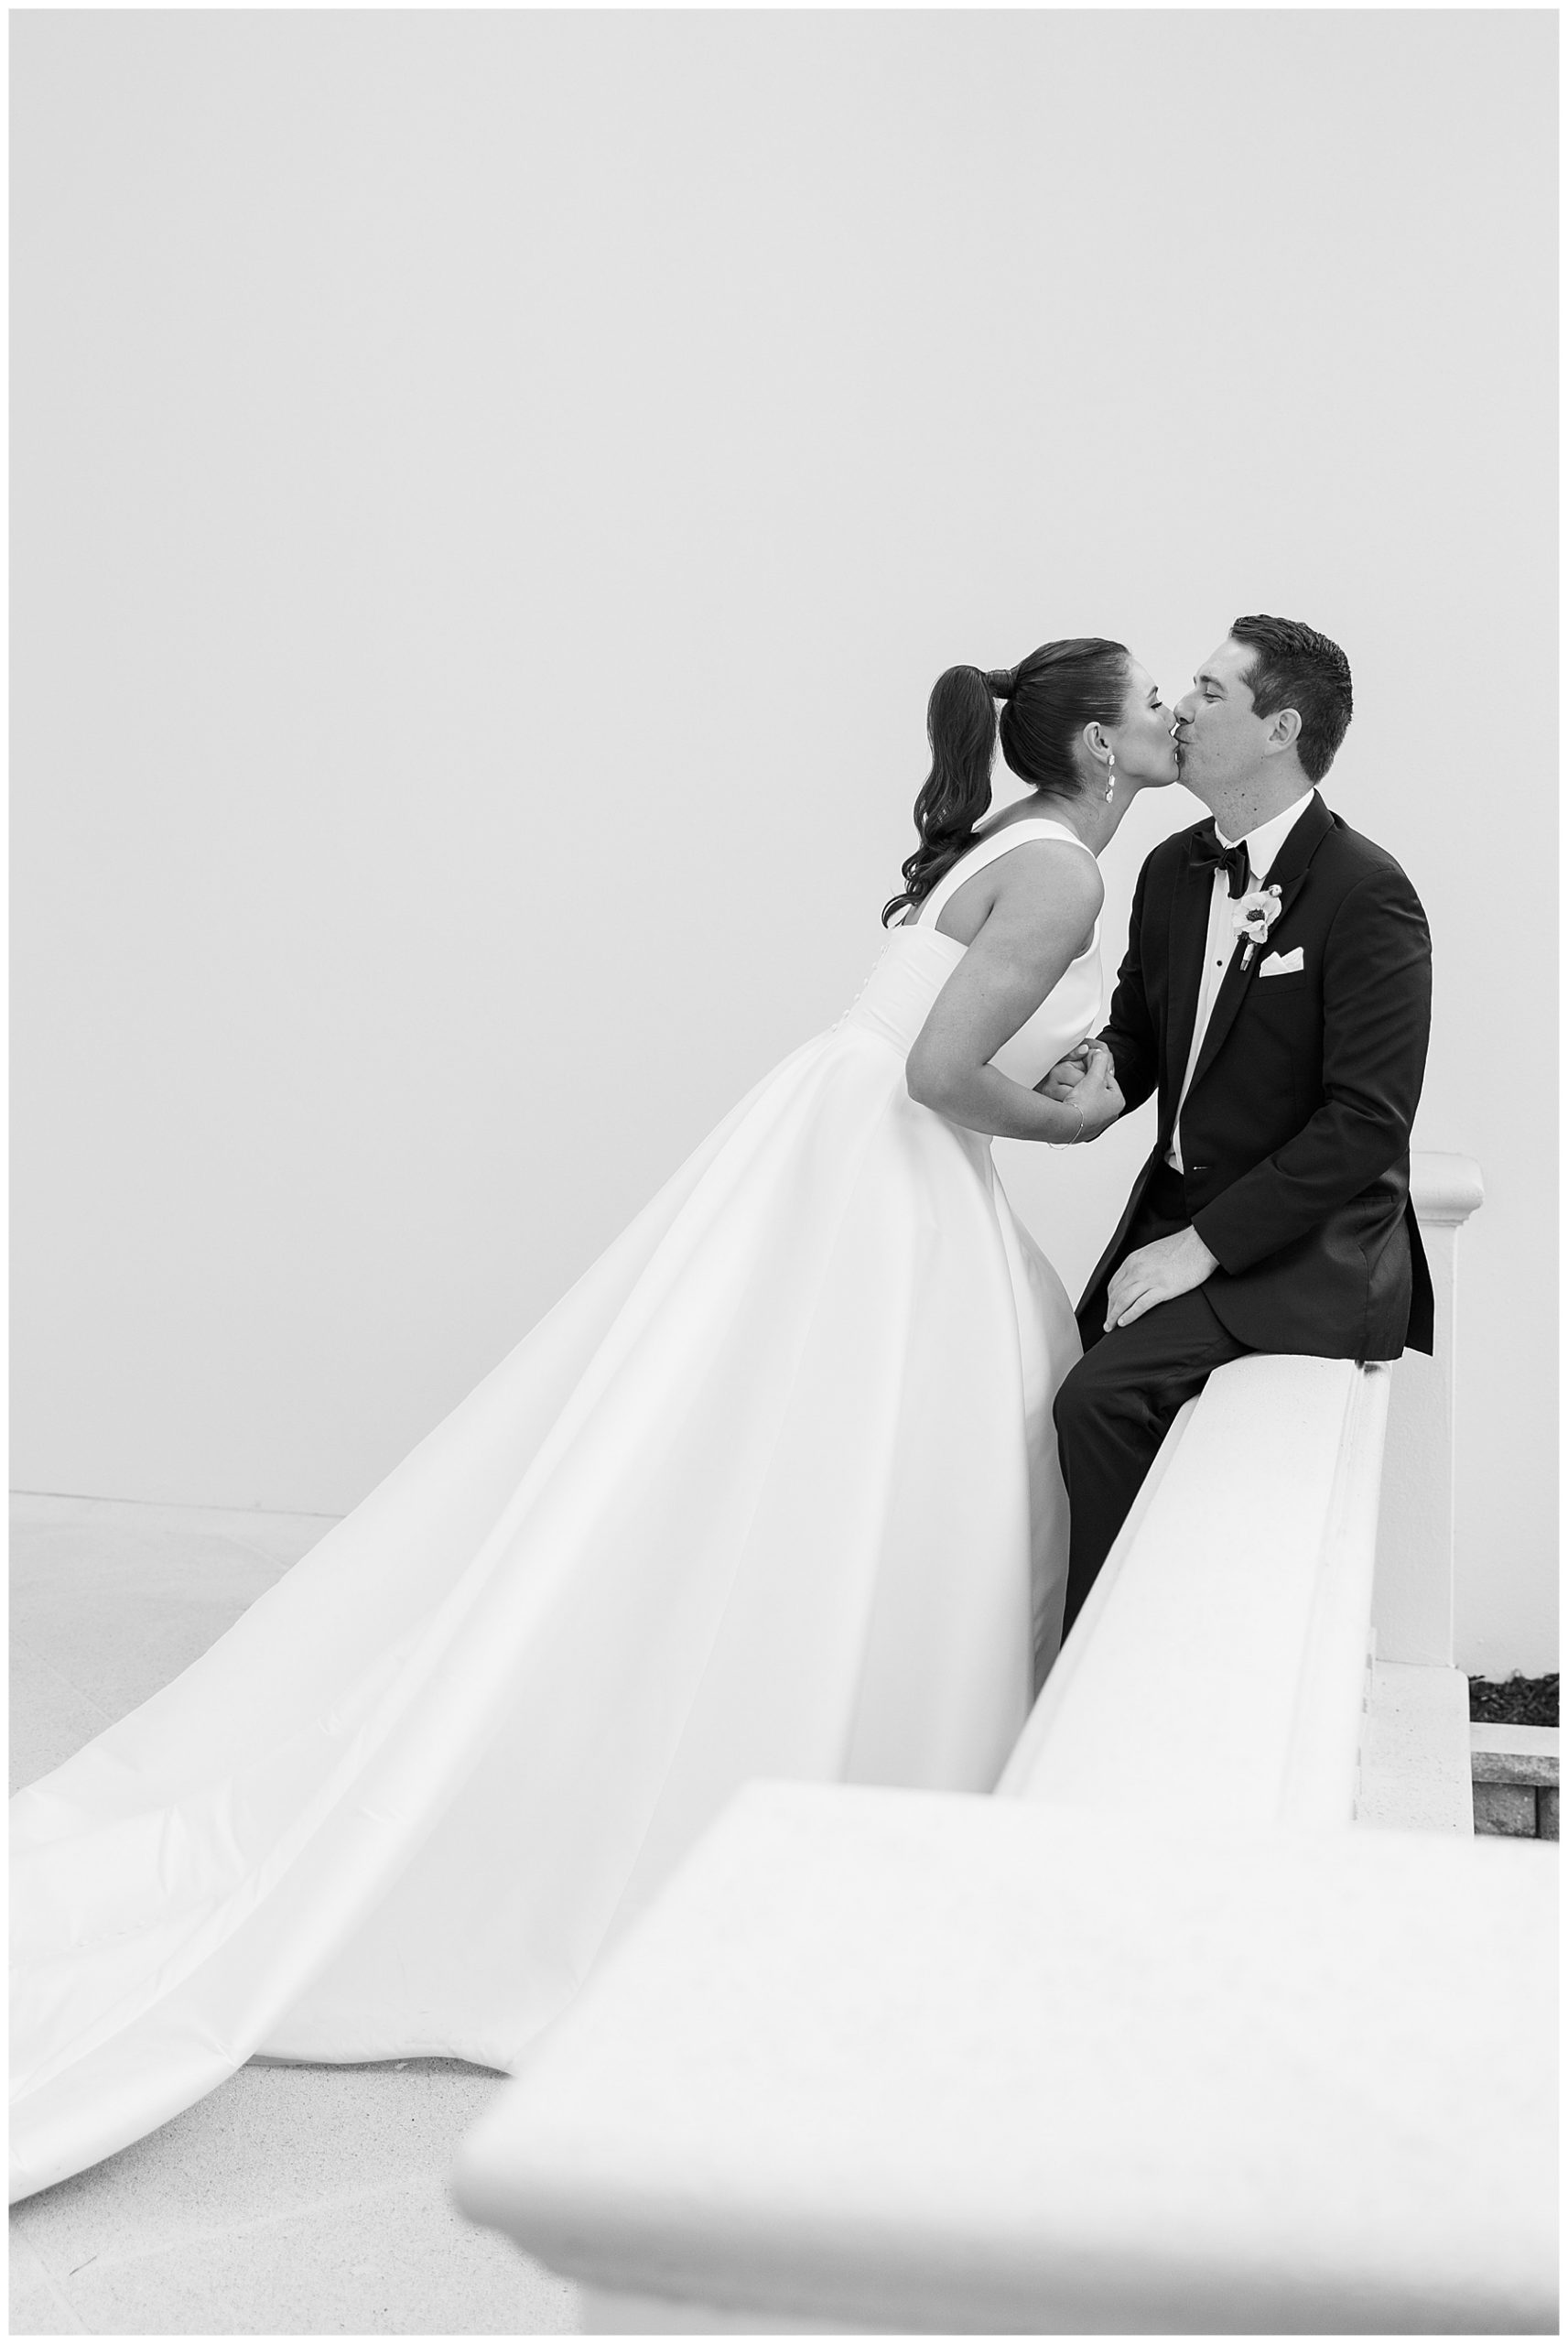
pixel 492 493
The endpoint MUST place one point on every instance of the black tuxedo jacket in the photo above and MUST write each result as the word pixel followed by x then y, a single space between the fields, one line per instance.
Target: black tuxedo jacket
pixel 1295 1135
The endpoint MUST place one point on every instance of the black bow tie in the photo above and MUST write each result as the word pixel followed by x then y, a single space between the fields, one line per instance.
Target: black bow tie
pixel 1206 853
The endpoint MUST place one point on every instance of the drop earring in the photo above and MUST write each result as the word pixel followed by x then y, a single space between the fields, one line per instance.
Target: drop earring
pixel 1110 783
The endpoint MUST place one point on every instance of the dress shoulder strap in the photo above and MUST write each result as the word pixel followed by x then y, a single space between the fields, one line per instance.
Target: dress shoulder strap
pixel 989 850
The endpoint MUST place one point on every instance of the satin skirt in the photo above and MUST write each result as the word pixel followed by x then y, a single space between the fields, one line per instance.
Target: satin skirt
pixel 773 1490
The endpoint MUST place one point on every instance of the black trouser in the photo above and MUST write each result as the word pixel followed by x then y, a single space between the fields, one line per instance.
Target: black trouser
pixel 1117 1405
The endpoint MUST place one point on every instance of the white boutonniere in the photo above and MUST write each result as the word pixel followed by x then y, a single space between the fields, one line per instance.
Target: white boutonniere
pixel 1253 917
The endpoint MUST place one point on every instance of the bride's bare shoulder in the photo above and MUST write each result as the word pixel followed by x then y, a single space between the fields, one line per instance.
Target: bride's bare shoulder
pixel 1040 891
pixel 1059 867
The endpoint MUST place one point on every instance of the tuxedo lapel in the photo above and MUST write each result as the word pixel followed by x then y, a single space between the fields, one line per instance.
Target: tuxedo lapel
pixel 1226 1002
pixel 1288 872
pixel 1189 931
pixel 1295 859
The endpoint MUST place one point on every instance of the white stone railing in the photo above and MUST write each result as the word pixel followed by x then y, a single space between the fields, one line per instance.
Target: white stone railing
pixel 1141 2046
pixel 1220 1662
pixel 1415 1770
pixel 1223 1660
pixel 1414 1602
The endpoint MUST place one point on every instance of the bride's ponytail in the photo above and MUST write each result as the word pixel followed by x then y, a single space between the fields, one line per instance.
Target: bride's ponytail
pixel 1049 698
pixel 960 724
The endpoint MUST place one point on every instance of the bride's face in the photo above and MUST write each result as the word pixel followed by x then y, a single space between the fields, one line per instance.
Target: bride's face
pixel 1145 751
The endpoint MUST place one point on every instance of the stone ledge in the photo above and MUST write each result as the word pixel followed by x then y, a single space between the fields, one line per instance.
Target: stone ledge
pixel 916 2062
pixel 1514 1753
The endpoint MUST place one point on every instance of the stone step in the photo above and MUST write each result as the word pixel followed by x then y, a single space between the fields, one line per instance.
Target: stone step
pixel 1515 1780
pixel 1513 1753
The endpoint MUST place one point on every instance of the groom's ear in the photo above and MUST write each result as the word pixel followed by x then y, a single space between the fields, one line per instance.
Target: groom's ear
pixel 1282 731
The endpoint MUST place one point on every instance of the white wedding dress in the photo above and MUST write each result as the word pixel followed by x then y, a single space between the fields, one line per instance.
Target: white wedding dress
pixel 771 1491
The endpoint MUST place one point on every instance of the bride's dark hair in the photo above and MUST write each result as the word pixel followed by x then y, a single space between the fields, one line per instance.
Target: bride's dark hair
pixel 1046 699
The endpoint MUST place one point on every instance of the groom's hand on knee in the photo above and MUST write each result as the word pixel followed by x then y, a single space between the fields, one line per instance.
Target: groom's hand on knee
pixel 1157 1274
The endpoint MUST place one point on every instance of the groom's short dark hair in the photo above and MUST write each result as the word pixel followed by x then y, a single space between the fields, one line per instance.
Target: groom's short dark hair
pixel 1297 667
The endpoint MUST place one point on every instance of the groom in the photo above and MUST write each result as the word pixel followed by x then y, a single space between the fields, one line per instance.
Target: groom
pixel 1276 993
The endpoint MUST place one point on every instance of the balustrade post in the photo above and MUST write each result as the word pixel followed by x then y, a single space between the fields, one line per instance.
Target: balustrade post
pixel 1413 1609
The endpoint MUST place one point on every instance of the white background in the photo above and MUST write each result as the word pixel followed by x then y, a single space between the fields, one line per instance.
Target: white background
pixel 491 493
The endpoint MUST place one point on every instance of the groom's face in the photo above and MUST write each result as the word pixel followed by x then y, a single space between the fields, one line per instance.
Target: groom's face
pixel 1220 738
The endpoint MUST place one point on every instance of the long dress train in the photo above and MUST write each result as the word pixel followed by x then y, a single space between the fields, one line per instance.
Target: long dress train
pixel 771 1491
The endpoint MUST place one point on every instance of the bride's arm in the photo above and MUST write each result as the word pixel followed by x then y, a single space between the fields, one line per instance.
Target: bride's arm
pixel 1046 903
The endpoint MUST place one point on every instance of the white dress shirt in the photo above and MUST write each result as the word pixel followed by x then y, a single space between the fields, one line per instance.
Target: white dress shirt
pixel 1262 845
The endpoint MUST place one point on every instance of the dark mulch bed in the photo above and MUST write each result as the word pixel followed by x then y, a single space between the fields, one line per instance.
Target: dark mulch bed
pixel 1517 1701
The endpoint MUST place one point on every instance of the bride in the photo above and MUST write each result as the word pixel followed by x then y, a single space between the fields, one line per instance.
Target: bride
pixel 771 1491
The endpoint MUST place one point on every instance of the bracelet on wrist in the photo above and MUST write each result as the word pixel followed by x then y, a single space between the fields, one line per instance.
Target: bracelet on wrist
pixel 1077 1134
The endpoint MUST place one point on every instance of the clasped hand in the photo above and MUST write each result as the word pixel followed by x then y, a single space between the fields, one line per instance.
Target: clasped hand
pixel 1086 1077
pixel 1067 1073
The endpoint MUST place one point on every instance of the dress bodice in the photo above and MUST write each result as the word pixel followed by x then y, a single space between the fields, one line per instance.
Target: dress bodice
pixel 916 962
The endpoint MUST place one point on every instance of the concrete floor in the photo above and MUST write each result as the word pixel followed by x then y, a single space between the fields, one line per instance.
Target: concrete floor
pixel 292 2201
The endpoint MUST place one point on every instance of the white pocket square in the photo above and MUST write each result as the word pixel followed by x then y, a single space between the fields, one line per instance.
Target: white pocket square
pixel 1281 964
